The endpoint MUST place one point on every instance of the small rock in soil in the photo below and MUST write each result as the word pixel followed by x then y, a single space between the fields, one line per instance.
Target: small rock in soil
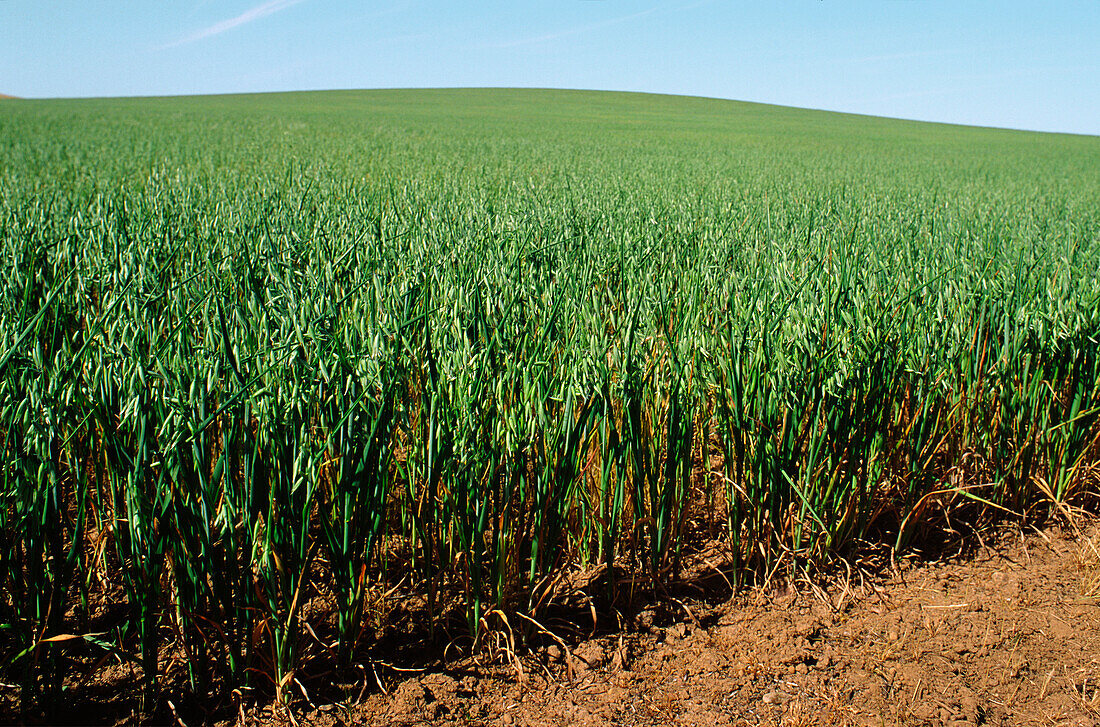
pixel 677 631
pixel 591 653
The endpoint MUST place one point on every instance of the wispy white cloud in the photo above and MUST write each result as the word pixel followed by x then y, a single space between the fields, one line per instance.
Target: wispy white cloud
pixel 574 31
pixel 260 11
pixel 909 55
pixel 969 51
pixel 395 9
pixel 593 26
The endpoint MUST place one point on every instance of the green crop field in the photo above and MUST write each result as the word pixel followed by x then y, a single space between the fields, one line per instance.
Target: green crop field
pixel 259 352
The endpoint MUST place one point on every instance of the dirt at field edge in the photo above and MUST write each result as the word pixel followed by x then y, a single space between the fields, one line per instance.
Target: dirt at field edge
pixel 1009 637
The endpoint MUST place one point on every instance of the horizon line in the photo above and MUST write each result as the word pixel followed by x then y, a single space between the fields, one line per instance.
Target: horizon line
pixel 554 88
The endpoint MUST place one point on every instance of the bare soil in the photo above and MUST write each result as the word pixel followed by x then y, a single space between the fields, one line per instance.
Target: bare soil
pixel 1008 636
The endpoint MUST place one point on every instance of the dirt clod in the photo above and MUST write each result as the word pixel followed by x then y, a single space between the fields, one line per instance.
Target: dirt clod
pixel 591 653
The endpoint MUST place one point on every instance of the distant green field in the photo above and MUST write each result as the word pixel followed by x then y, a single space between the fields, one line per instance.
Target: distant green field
pixel 259 351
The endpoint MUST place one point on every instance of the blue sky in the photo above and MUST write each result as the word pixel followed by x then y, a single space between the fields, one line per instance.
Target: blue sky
pixel 1012 63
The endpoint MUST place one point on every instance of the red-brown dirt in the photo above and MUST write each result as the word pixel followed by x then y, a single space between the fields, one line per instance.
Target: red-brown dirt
pixel 1009 636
